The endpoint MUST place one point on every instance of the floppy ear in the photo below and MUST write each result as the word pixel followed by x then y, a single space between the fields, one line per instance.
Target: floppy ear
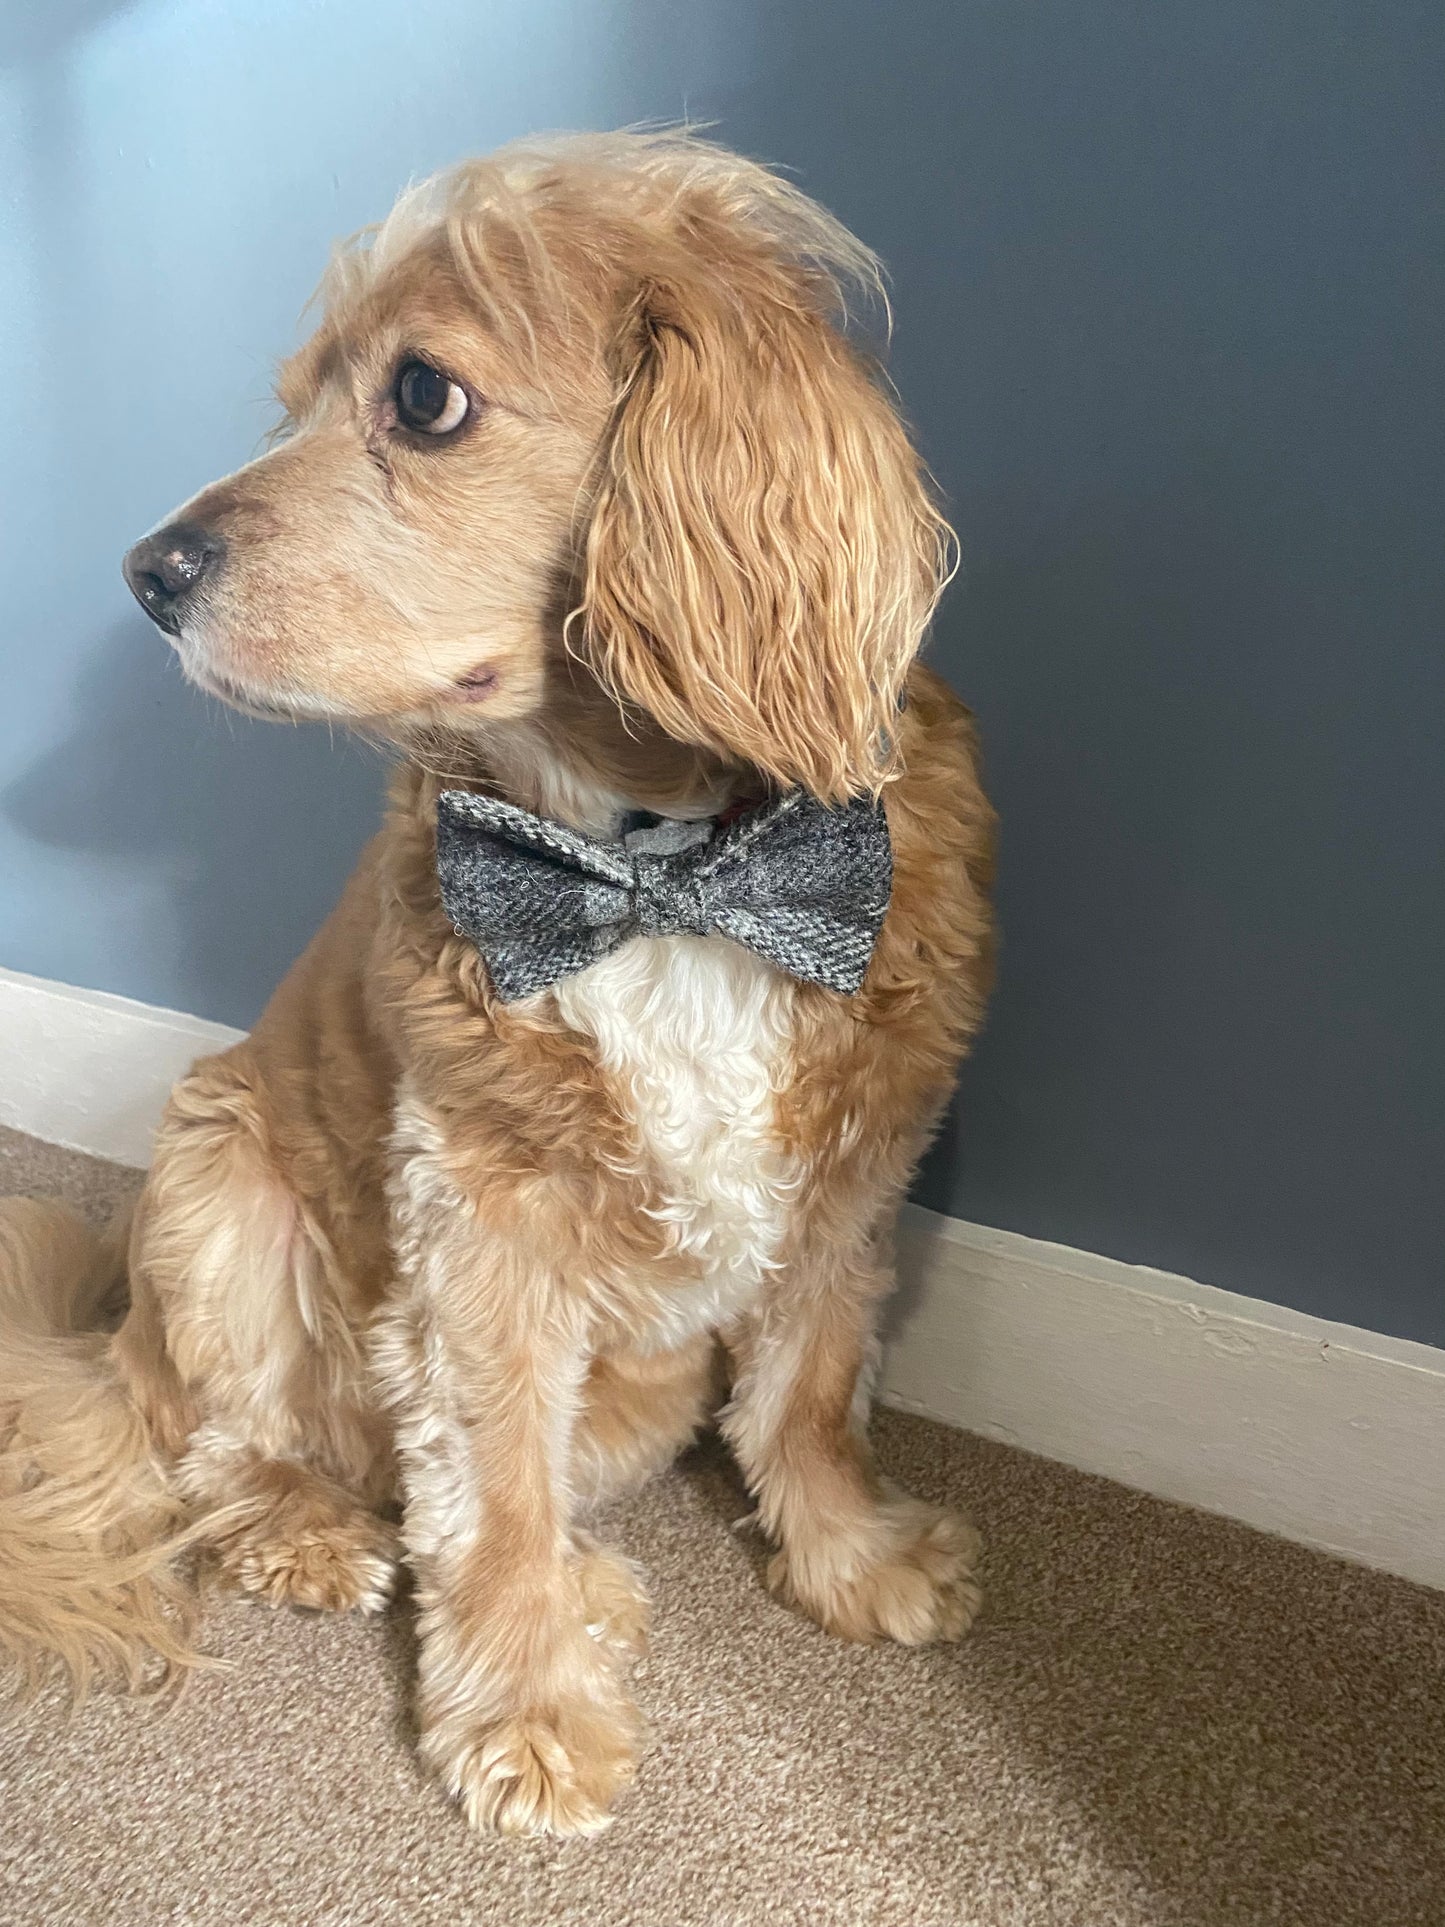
pixel 763 555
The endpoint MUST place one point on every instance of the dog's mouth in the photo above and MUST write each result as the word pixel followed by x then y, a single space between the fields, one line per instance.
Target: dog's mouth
pixel 476 687
pixel 265 706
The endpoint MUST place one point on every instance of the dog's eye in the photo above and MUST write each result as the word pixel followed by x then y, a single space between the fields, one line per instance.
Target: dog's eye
pixel 426 401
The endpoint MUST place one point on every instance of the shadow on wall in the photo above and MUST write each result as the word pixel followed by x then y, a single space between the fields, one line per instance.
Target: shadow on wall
pixel 218 789
pixel 31 33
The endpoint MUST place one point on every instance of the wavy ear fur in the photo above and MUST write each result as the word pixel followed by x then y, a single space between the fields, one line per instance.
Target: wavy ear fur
pixel 763 554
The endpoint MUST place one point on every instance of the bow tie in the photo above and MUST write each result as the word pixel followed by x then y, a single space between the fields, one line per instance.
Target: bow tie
pixel 804 885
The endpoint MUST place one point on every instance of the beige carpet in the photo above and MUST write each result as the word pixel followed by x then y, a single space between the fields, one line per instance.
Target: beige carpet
pixel 1162 1719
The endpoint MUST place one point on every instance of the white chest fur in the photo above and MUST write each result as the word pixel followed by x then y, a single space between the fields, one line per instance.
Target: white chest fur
pixel 696 1034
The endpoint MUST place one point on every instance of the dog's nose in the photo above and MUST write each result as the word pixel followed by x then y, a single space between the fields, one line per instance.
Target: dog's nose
pixel 165 568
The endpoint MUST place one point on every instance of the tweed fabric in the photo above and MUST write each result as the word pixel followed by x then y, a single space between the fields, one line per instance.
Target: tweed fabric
pixel 804 885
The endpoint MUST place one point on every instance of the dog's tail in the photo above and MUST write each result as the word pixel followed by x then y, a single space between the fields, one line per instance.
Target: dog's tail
pixel 89 1530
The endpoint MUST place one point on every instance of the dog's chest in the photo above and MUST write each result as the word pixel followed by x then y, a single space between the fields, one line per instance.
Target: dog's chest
pixel 695 1036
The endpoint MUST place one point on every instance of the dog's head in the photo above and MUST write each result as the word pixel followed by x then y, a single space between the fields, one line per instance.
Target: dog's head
pixel 578 438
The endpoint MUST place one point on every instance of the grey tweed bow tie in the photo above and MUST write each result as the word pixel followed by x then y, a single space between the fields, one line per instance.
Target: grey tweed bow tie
pixel 804 885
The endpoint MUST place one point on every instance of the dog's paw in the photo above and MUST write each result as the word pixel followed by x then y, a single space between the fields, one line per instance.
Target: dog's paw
pixel 553 1770
pixel 921 1585
pixel 322 1558
pixel 615 1606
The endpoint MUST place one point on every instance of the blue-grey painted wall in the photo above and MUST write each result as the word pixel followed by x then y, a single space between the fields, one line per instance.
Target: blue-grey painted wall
pixel 1168 283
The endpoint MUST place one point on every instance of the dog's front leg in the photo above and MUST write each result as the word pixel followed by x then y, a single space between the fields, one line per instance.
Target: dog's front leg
pixel 860 1557
pixel 522 1706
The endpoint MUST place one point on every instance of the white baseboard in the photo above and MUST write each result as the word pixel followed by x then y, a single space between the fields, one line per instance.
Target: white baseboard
pixel 1320 1432
pixel 1317 1431
pixel 92 1071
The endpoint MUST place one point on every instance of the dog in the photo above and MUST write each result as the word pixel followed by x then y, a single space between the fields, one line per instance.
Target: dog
pixel 587 505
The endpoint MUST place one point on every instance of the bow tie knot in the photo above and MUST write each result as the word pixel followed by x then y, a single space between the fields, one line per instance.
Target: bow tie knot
pixel 804 885
pixel 667 904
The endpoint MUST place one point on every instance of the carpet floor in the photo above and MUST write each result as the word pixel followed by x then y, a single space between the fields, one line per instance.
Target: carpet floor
pixel 1162 1720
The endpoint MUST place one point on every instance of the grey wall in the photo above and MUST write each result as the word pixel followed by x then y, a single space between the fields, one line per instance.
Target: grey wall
pixel 1168 287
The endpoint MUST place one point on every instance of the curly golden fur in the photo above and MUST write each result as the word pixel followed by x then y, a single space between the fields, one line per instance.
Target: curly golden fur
pixel 408 1249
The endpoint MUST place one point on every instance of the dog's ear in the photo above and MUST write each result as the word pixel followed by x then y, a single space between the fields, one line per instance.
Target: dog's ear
pixel 763 554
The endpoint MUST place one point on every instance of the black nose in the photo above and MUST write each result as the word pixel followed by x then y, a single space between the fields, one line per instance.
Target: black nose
pixel 164 568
